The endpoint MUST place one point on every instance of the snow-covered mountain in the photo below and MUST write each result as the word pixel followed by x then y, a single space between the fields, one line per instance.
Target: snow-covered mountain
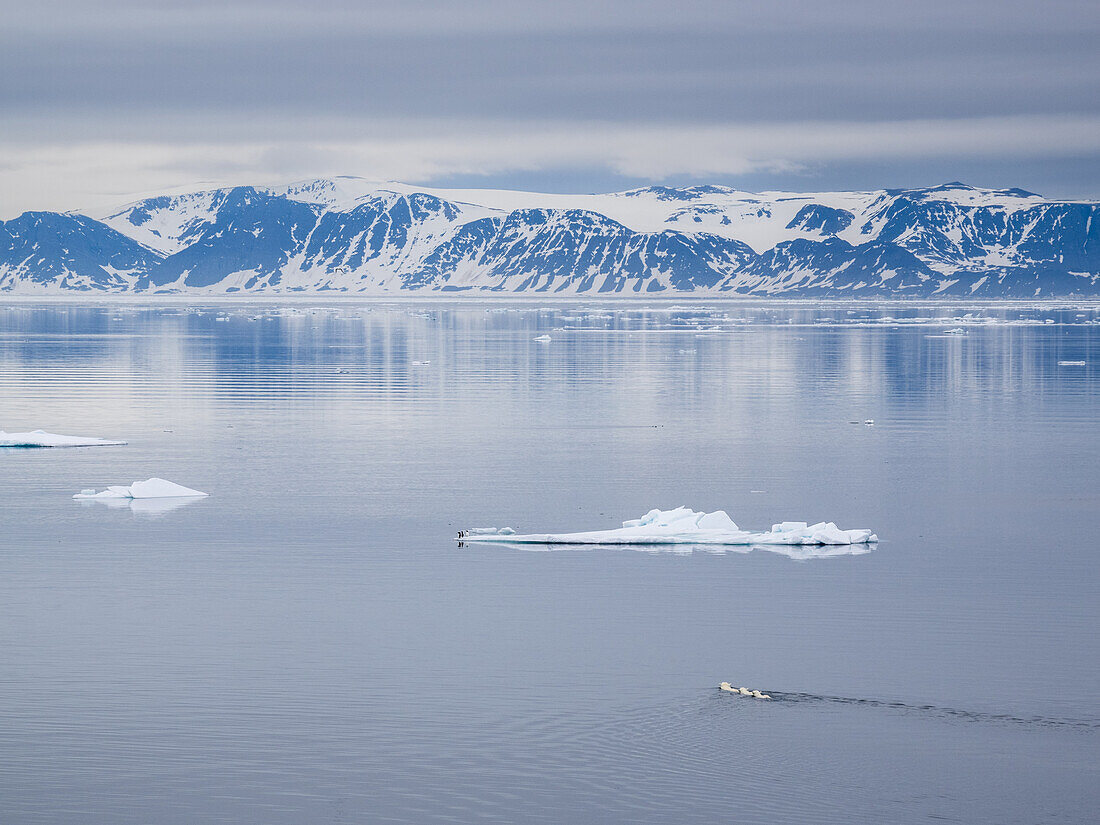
pixel 353 235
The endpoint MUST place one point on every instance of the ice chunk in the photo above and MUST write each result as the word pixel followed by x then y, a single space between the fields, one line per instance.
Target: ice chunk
pixel 661 518
pixel 151 488
pixel 718 520
pixel 685 526
pixel 40 438
pixel 787 526
pixel 543 339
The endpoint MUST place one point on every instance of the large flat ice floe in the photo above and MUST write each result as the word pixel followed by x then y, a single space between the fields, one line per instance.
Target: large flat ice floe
pixel 685 526
pixel 40 438
pixel 152 488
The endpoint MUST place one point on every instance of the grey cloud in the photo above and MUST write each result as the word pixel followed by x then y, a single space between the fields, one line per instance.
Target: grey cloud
pixel 189 17
pixel 701 77
pixel 300 80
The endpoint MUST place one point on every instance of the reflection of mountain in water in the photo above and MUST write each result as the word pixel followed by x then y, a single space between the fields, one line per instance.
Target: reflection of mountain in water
pixel 714 355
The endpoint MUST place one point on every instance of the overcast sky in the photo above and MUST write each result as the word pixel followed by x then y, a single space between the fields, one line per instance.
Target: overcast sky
pixel 103 100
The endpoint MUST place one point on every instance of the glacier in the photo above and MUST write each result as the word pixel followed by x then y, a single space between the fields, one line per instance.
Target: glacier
pixel 683 525
pixel 349 235
pixel 40 438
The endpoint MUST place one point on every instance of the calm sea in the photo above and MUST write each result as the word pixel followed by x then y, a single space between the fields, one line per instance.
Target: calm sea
pixel 310 645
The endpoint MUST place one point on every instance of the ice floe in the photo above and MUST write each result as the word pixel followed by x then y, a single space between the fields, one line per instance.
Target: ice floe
pixel 151 488
pixel 40 438
pixel 686 526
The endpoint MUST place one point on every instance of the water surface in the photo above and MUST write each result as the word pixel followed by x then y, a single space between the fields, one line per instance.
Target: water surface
pixel 309 644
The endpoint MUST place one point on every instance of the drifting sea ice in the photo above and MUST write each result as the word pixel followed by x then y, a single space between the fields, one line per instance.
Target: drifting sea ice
pixel 39 438
pixel 685 526
pixel 152 488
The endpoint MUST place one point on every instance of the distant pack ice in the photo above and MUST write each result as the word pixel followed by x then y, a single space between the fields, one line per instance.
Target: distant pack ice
pixel 40 438
pixel 152 488
pixel 686 526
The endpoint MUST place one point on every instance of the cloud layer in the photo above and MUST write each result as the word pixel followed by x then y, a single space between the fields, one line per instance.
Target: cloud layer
pixel 103 99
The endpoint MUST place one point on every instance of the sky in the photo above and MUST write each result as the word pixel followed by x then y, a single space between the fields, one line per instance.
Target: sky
pixel 101 102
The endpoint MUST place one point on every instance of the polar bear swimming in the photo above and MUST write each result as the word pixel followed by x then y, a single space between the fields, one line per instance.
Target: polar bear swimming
pixel 742 691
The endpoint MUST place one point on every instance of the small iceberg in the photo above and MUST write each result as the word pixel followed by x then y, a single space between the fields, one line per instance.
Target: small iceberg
pixel 685 526
pixel 151 488
pixel 40 438
pixel 543 339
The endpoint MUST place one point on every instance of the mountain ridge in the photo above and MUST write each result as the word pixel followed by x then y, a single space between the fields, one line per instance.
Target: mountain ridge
pixel 358 236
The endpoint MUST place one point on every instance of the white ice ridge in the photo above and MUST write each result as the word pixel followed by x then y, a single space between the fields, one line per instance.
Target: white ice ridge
pixel 40 438
pixel 152 488
pixel 685 526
